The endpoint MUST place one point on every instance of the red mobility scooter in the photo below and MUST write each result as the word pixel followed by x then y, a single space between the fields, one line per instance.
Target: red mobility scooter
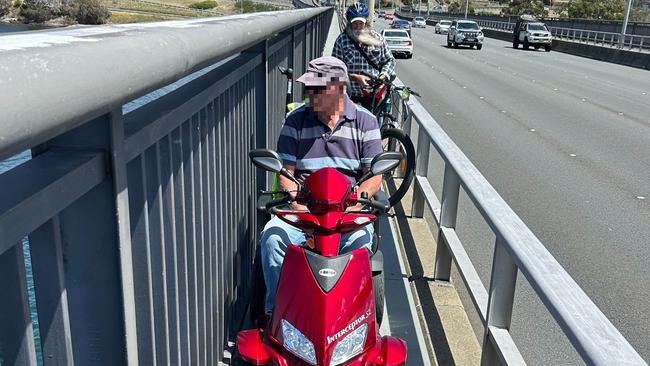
pixel 325 312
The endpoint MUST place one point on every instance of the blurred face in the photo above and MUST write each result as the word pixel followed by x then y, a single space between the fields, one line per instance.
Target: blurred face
pixel 358 26
pixel 325 99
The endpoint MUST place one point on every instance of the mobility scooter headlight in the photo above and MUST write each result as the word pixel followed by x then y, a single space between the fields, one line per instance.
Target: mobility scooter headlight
pixel 350 346
pixel 297 343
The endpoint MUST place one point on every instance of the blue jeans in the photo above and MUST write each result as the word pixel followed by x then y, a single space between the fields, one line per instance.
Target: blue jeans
pixel 278 234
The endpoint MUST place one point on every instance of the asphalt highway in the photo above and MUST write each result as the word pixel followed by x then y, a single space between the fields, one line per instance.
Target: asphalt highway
pixel 565 140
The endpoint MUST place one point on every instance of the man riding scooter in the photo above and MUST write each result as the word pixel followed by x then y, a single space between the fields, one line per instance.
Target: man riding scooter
pixel 330 131
pixel 316 255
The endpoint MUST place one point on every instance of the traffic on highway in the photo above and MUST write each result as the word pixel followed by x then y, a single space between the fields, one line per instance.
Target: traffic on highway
pixel 566 141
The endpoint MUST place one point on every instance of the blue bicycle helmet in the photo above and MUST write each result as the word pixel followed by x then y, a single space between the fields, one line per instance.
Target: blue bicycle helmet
pixel 357 11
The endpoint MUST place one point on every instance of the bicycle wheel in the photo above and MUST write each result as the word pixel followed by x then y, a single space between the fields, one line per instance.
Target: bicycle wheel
pixel 394 139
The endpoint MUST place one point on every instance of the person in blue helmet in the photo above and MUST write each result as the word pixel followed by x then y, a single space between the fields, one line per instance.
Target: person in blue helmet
pixel 362 50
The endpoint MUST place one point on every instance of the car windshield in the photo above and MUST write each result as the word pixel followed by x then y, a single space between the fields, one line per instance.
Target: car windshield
pixel 400 22
pixel 395 34
pixel 536 27
pixel 467 26
pixel 445 22
pixel 418 19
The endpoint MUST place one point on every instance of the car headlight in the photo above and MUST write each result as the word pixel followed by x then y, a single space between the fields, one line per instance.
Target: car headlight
pixel 480 34
pixel 350 346
pixel 297 343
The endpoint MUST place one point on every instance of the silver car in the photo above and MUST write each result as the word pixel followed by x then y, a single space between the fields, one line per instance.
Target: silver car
pixel 442 27
pixel 419 22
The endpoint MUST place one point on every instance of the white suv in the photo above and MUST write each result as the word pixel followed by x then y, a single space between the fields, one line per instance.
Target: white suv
pixel 466 32
pixel 531 33
pixel 398 41
pixel 442 27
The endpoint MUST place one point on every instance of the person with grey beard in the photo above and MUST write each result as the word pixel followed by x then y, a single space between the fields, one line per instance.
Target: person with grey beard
pixel 363 51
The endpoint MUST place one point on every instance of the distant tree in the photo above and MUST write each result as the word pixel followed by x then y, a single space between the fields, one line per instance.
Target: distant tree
pixel 518 7
pixel 459 7
pixel 89 12
pixel 39 11
pixel 5 7
pixel 204 5
pixel 454 7
pixel 595 9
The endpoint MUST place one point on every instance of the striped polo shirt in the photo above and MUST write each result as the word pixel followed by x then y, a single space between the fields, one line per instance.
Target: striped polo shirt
pixel 308 144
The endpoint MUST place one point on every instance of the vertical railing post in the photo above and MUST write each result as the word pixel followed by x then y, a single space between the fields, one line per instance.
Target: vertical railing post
pixel 448 214
pixel 92 258
pixel 16 334
pixel 46 249
pixel 501 298
pixel 421 167
pixel 124 234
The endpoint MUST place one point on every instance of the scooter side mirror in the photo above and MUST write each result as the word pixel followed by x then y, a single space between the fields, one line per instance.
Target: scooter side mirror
pixel 381 164
pixel 268 160
pixel 385 162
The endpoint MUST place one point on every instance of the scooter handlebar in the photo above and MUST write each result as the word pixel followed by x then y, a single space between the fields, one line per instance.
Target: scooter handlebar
pixel 377 205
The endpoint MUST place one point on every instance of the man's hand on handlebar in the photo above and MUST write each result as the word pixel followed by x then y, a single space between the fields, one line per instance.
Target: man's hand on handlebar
pixel 298 207
pixel 363 80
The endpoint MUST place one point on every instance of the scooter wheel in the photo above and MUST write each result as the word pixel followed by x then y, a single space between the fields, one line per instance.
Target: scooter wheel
pixel 378 290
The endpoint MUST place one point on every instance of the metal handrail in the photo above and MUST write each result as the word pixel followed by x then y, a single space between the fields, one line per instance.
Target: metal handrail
pixel 594 337
pixel 82 88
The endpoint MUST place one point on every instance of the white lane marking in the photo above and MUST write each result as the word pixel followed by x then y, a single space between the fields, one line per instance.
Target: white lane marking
pixel 620 113
pixel 464 87
pixel 503 111
pixel 532 130
pixel 554 89
pixel 640 197
pixel 449 114
pixel 584 100
pixel 481 97
pixel 572 155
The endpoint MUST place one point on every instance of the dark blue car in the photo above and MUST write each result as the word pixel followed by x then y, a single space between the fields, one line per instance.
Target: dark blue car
pixel 401 24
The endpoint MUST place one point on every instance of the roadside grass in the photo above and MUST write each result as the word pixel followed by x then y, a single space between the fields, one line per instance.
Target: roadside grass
pixel 118 17
pixel 131 11
pixel 159 8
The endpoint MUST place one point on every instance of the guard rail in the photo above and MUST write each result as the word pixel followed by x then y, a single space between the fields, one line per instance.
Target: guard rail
pixel 517 249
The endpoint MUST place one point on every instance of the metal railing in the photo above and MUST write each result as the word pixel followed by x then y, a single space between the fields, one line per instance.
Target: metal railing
pixel 141 222
pixel 596 38
pixel 517 249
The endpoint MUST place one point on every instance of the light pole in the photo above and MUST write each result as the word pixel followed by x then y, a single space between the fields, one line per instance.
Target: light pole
pixel 624 30
pixel 371 9
pixel 466 7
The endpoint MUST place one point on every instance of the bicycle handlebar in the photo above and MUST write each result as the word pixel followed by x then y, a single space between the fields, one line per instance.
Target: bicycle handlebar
pixel 389 82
